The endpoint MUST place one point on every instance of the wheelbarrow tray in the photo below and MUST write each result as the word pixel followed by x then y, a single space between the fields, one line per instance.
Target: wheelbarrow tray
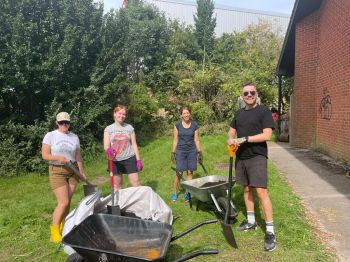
pixel 104 237
pixel 217 185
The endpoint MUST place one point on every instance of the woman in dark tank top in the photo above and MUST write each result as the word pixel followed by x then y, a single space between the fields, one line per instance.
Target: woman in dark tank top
pixel 186 149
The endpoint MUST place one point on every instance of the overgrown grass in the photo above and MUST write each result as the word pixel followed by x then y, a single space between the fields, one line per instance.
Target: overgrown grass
pixel 27 203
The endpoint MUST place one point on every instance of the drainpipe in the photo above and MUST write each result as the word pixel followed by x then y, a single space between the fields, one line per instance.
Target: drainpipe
pixel 279 103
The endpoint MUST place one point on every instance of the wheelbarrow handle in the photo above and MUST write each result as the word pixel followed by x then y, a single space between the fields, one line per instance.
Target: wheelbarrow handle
pixel 197 253
pixel 204 169
pixel 210 221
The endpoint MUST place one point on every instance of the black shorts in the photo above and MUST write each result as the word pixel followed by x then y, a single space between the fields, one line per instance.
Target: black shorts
pixel 186 160
pixel 127 166
pixel 252 172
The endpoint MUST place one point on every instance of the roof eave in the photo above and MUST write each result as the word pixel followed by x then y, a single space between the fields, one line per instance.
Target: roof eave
pixel 301 9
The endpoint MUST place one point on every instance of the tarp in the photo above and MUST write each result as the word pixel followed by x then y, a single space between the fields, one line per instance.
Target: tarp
pixel 144 203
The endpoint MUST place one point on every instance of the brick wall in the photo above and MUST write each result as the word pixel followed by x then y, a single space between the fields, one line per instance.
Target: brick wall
pixel 321 99
pixel 303 113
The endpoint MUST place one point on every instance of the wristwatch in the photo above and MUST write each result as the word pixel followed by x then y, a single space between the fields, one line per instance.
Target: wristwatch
pixel 241 140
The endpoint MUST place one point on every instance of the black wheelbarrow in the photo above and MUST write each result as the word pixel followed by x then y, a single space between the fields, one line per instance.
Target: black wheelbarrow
pixel 104 237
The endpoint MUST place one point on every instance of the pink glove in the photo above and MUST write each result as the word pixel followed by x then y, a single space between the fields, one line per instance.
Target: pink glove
pixel 110 151
pixel 139 165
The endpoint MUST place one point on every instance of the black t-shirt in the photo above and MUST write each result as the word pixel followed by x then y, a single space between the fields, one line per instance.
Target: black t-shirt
pixel 249 123
pixel 186 136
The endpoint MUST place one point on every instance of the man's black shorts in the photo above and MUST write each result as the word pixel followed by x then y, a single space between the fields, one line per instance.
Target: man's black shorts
pixel 252 172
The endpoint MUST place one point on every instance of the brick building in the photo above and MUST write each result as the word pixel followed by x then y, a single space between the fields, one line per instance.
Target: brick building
pixel 316 52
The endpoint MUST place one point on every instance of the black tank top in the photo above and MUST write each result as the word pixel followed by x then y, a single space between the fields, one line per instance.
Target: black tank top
pixel 186 136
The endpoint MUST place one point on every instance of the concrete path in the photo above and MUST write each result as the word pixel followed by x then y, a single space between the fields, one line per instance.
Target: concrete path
pixel 324 189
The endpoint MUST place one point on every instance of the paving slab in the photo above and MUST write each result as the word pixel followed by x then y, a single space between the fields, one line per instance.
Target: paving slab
pixel 324 188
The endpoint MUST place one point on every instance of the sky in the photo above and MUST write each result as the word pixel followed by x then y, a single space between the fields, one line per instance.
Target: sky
pixel 277 6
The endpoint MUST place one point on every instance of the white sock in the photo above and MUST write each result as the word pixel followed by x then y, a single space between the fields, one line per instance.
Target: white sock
pixel 270 227
pixel 251 217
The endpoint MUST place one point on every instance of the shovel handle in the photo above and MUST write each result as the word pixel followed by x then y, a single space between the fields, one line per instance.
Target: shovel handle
pixel 111 176
pixel 111 154
pixel 88 183
pixel 111 180
pixel 71 166
pixel 232 149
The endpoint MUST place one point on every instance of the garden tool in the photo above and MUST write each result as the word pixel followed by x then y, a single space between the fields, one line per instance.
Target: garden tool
pixel 112 209
pixel 226 227
pixel 88 187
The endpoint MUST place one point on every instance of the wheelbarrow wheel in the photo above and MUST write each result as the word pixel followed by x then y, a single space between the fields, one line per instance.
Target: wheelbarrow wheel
pixel 75 257
pixel 223 204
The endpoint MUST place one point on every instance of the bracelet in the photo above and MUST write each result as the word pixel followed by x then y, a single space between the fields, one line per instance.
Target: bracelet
pixel 246 139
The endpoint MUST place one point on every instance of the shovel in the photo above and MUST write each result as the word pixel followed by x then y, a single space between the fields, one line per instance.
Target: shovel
pixel 88 188
pixel 112 209
pixel 226 227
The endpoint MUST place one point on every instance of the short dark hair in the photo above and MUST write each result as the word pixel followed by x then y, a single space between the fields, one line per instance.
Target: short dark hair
pixel 247 83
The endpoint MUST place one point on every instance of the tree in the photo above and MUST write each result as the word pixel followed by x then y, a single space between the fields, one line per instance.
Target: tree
pixel 181 50
pixel 205 25
pixel 259 59
pixel 250 56
pixel 48 49
pixel 134 43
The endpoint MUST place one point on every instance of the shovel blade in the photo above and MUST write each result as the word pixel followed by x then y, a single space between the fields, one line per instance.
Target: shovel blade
pixel 89 189
pixel 228 233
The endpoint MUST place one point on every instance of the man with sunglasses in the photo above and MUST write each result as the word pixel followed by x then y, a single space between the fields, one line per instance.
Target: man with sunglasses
pixel 253 125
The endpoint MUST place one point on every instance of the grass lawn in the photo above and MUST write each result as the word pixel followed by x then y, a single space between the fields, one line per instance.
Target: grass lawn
pixel 27 203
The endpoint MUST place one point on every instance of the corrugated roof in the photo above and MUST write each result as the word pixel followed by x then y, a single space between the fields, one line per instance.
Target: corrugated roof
pixel 225 7
pixel 228 19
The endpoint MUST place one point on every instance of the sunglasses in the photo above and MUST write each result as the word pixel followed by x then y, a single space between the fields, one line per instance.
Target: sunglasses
pixel 251 92
pixel 63 123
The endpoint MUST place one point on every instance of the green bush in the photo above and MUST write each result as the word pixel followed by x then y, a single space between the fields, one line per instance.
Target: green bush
pixel 202 113
pixel 20 149
pixel 156 128
pixel 214 128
